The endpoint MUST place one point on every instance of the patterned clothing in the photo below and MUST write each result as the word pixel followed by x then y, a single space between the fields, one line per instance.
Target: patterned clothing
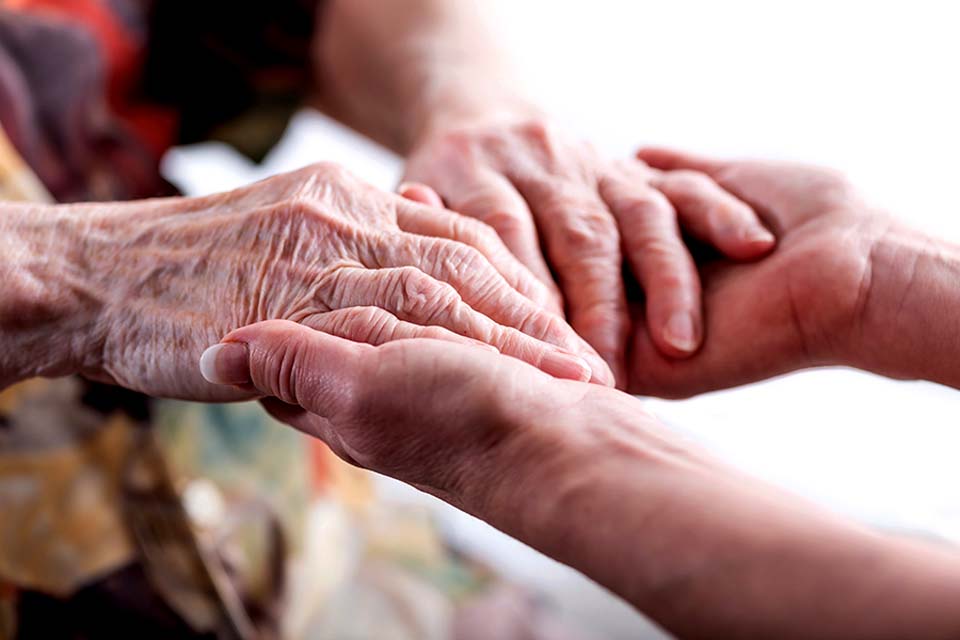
pixel 126 517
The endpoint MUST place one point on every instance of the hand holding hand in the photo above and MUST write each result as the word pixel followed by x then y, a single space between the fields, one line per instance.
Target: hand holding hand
pixel 802 306
pixel 426 412
pixel 534 185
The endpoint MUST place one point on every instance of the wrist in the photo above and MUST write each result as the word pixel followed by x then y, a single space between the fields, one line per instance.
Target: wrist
pixel 600 486
pixel 453 105
pixel 908 318
pixel 46 316
pixel 590 478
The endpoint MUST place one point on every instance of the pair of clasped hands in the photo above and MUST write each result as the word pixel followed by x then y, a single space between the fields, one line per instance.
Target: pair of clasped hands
pixel 426 335
pixel 390 334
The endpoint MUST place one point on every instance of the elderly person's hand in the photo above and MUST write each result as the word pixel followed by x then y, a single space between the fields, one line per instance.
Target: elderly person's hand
pixel 515 171
pixel 132 292
pixel 807 304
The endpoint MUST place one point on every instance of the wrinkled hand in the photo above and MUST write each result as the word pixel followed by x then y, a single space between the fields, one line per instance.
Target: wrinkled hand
pixel 532 184
pixel 317 247
pixel 799 307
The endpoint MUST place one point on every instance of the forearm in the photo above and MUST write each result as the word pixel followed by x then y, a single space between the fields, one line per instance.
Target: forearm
pixel 45 312
pixel 708 552
pixel 393 70
pixel 911 315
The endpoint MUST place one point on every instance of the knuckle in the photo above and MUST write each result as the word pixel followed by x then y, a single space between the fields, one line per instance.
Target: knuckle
pixel 301 207
pixel 367 324
pixel 642 204
pixel 463 259
pixel 328 171
pixel 482 231
pixel 543 326
pixel 364 315
pixel 660 250
pixel 419 295
pixel 278 373
pixel 669 281
pixel 457 146
pixel 481 236
pixel 593 233
pixel 536 130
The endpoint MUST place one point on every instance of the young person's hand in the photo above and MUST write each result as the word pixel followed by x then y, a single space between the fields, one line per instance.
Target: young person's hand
pixel 803 305
pixel 582 473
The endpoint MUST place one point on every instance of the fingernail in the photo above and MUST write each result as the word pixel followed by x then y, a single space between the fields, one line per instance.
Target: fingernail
pixel 403 186
pixel 226 363
pixel 680 332
pixel 567 366
pixel 755 235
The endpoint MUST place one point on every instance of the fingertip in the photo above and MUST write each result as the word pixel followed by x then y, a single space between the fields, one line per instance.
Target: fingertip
pixel 227 363
pixel 758 239
pixel 419 192
pixel 681 334
pixel 566 366
pixel 747 242
pixel 670 159
pixel 658 157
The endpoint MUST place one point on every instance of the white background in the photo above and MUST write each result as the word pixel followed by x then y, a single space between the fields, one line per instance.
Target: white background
pixel 870 87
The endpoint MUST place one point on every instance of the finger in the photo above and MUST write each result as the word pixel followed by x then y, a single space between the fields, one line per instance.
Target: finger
pixel 413 296
pixel 293 363
pixel 453 226
pixel 421 193
pixel 376 326
pixel 490 198
pixel 481 287
pixel 713 215
pixel 671 159
pixel 583 244
pixel 661 262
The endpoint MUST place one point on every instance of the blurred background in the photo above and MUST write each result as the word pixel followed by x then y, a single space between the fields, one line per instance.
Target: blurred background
pixel 869 87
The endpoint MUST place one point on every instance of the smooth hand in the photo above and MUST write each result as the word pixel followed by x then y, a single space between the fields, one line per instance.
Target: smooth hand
pixel 801 306
pixel 426 412
pixel 583 474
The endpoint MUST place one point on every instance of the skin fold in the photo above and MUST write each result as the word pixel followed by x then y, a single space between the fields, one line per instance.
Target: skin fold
pixel 585 474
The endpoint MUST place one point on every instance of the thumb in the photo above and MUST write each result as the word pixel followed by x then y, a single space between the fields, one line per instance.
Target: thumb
pixel 288 361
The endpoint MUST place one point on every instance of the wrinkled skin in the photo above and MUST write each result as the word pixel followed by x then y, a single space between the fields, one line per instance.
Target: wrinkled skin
pixel 801 306
pixel 162 279
pixel 534 185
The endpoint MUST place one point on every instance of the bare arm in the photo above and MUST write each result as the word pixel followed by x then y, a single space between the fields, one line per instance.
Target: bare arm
pixel 912 314
pixel 585 475
pixel 394 69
